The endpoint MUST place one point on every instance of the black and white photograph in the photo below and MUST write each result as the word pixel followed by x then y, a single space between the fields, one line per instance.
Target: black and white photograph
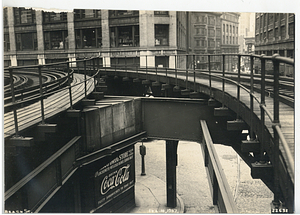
pixel 150 107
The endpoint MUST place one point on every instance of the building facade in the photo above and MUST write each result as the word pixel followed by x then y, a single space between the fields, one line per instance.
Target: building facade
pixel 205 37
pixel 230 37
pixel 39 37
pixel 246 30
pixel 275 33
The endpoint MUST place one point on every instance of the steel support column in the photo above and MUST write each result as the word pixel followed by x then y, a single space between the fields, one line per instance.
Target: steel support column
pixel 171 162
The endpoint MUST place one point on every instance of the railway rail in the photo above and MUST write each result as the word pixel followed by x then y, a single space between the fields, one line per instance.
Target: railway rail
pixel 248 91
pixel 27 86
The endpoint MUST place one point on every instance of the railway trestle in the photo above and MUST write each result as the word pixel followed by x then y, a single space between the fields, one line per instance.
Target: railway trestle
pixel 99 141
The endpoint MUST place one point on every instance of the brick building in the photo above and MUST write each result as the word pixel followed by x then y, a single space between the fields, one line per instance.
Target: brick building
pixel 275 33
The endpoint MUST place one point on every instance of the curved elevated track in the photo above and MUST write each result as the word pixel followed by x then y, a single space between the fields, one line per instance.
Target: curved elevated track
pixel 269 119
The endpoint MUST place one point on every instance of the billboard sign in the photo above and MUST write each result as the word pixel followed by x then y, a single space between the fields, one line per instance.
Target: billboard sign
pixel 115 178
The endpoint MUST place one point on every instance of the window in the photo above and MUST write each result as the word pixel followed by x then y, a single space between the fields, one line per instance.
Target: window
pixel 27 62
pixel 223 27
pixel 201 31
pixel 223 39
pixel 233 30
pixel 230 40
pixel 237 40
pixel 290 53
pixel 54 17
pixel 233 40
pixel 88 38
pixel 57 60
pixel 5 20
pixel 260 37
pixel 116 13
pixel 161 35
pixel 161 13
pixel 211 32
pixel 230 29
pixel 282 32
pixel 271 18
pixel 211 20
pixel 226 39
pixel 292 30
pixel 6 42
pixel 271 35
pixel 124 36
pixel 56 40
pixel 161 61
pixel 218 21
pixel 227 28
pixel 7 63
pixel 282 16
pixel 265 19
pixel 237 30
pixel 281 53
pixel 277 15
pixel 211 43
pixel 26 41
pixel 201 43
pixel 201 19
pixel 86 14
pixel 24 16
pixel 256 24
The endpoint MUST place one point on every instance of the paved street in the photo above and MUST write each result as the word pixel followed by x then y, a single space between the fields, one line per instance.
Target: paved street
pixel 251 196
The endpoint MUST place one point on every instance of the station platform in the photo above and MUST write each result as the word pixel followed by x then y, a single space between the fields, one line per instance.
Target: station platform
pixel 151 196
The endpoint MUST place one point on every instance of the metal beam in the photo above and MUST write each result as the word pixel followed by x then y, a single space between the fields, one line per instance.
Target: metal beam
pixel 171 163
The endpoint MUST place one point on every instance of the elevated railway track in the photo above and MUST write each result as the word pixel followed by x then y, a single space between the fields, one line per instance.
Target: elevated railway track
pixel 255 100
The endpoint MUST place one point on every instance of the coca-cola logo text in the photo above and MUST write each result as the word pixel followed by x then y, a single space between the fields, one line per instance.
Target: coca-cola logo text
pixel 110 182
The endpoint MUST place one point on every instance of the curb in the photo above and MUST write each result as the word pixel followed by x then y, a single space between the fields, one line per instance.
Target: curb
pixel 156 202
pixel 181 204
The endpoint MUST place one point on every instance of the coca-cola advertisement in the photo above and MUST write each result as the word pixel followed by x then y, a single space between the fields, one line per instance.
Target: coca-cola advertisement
pixel 115 178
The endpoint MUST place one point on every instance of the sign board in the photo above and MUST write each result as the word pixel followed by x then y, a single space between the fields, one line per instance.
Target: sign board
pixel 115 178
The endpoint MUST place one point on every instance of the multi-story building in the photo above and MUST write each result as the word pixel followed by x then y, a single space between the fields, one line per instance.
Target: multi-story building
pixel 39 37
pixel 205 37
pixel 230 37
pixel 275 33
pixel 246 30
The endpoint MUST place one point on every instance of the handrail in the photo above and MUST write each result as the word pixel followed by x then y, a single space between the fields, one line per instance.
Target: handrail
pixel 222 77
pixel 57 159
pixel 263 106
pixel 49 93
pixel 42 95
pixel 11 191
pixel 227 204
pixel 290 157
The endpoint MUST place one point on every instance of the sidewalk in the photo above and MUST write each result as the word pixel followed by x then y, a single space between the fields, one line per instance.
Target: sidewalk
pixel 151 197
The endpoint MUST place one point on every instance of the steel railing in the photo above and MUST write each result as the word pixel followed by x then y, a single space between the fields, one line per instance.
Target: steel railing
pixel 190 72
pixel 41 95
pixel 188 65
